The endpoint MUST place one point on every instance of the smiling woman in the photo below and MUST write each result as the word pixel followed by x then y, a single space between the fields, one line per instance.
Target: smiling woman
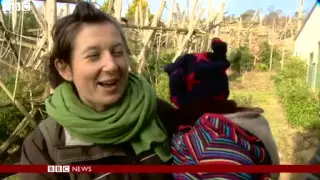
pixel 99 113
pixel 100 68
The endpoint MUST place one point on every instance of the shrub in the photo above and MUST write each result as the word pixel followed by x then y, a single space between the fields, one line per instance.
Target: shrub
pixel 162 86
pixel 161 83
pixel 10 117
pixel 264 56
pixel 155 74
pixel 155 65
pixel 241 59
pixel 301 107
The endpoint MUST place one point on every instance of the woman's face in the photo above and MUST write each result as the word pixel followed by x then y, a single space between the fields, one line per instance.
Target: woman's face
pixel 99 65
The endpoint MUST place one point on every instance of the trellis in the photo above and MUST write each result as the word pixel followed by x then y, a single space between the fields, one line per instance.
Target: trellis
pixel 183 32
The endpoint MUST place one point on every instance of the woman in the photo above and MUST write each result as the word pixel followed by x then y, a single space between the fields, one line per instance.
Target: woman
pixel 213 129
pixel 100 113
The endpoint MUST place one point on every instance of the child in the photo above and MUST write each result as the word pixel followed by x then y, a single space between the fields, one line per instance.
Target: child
pixel 213 129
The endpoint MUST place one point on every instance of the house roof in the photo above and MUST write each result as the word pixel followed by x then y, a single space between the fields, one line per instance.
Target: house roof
pixel 305 22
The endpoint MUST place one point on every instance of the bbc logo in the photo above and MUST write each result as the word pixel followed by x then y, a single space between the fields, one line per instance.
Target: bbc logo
pixel 58 168
pixel 19 6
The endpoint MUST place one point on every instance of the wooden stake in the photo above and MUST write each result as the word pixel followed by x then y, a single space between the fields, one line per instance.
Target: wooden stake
pixel 39 17
pixel 118 9
pixel 220 18
pixel 147 38
pixel 171 13
pixel 14 15
pixel 141 13
pixel 136 17
pixel 51 17
pixel 271 58
pixel 239 32
pixel 111 7
pixel 192 16
pixel 284 43
pixel 188 37
pixel 300 18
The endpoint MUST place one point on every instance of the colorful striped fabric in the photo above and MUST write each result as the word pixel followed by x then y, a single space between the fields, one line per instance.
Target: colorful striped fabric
pixel 216 140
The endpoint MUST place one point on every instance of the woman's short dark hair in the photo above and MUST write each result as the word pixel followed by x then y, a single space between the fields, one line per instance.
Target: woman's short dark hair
pixel 67 28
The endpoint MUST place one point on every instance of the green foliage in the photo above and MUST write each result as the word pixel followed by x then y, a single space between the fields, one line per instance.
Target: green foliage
pixel 156 63
pixel 29 22
pixel 10 117
pixel 105 6
pixel 241 59
pixel 134 5
pixel 300 104
pixel 264 56
pixel 155 74
pixel 162 86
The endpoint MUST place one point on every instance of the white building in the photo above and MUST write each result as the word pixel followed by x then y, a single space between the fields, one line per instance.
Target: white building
pixel 307 45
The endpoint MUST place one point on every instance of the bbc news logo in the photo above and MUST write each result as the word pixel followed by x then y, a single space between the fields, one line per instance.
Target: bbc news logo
pixel 21 6
pixel 68 169
pixel 59 168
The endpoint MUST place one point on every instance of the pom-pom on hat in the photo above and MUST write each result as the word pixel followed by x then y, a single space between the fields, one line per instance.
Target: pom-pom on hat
pixel 219 46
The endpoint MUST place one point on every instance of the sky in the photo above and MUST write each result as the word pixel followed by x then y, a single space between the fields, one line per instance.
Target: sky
pixel 236 7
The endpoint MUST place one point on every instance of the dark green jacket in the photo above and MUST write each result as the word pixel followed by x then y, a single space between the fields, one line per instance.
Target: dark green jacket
pixel 36 150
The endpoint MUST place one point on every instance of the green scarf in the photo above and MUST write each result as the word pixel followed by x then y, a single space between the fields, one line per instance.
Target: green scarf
pixel 133 119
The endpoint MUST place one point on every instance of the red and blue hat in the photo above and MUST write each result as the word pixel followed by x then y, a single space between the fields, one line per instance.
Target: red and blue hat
pixel 198 76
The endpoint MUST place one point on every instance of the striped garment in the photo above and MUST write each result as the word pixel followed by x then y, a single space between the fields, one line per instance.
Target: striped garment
pixel 216 140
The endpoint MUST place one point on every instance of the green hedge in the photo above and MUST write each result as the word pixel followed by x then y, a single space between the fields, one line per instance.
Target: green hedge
pixel 155 74
pixel 299 102
pixel 162 86
pixel 241 59
pixel 264 57
pixel 10 117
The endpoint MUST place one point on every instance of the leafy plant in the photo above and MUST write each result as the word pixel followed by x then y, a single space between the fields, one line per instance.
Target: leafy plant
pixel 156 63
pixel 10 117
pixel 264 56
pixel 104 7
pixel 301 106
pixel 162 86
pixel 155 74
pixel 134 5
pixel 241 59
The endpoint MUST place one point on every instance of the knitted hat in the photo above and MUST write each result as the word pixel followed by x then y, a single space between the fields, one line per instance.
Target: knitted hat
pixel 198 76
